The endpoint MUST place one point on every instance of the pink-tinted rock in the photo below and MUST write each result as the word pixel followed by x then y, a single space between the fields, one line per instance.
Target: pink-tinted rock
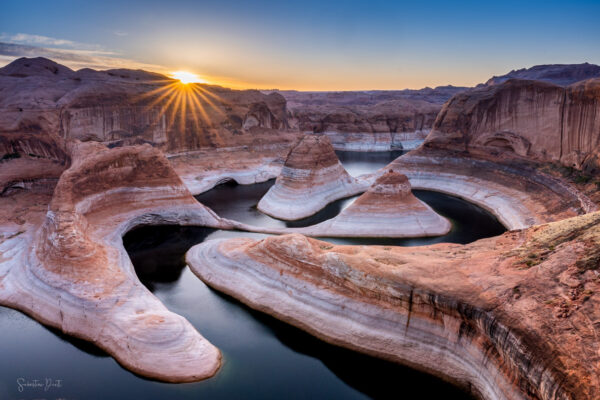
pixel 311 178
pixel 387 209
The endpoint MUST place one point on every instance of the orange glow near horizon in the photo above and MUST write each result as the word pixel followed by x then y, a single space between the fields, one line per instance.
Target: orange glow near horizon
pixel 187 77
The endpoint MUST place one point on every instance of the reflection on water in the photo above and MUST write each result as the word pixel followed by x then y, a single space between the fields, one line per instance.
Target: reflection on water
pixel 357 163
pixel 469 222
pixel 238 202
pixel 263 358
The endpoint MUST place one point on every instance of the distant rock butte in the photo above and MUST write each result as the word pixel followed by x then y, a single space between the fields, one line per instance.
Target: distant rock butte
pixel 368 120
pixel 559 74
pixel 312 177
pixel 387 209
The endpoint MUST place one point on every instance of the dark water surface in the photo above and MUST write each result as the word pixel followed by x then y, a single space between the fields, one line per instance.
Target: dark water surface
pixel 263 358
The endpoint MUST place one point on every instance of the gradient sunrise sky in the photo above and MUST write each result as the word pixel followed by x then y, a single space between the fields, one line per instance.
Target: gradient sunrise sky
pixel 309 45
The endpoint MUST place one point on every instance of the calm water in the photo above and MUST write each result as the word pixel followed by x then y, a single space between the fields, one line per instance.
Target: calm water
pixel 263 358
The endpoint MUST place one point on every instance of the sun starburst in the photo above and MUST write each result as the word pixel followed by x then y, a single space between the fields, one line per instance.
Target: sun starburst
pixel 191 108
pixel 187 77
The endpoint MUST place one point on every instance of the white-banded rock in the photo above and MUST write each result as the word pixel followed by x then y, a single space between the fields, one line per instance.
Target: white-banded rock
pixel 312 177
pixel 69 270
pixel 387 209
pixel 510 318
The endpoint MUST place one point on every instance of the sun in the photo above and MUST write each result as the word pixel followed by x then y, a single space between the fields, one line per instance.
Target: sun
pixel 187 77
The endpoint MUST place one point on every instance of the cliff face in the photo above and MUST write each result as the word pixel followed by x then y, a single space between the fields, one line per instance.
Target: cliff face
pixel 28 160
pixel 531 119
pixel 134 107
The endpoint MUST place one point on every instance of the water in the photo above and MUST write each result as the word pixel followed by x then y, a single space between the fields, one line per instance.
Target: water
pixel 263 358
pixel 357 163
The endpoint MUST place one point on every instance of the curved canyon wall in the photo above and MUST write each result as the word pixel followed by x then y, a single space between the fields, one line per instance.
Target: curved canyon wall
pixel 69 269
pixel 28 160
pixel 496 316
pixel 527 119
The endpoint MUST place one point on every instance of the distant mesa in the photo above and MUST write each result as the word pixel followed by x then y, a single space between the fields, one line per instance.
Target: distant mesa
pixel 24 67
pixel 559 74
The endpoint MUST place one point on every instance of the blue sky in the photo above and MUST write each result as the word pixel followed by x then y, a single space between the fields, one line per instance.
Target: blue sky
pixel 319 45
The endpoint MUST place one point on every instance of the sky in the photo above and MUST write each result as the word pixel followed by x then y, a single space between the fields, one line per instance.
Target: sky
pixel 309 45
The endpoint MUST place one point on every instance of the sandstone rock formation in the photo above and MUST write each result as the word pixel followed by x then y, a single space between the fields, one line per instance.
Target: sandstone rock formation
pixel 369 120
pixel 517 193
pixel 26 159
pixel 511 317
pixel 524 119
pixel 387 209
pixel 559 74
pixel 312 177
pixel 69 269
pixel 133 107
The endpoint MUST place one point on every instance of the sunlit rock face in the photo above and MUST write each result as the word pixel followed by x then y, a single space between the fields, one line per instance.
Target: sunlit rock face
pixel 387 209
pixel 529 119
pixel 135 107
pixel 510 317
pixel 312 177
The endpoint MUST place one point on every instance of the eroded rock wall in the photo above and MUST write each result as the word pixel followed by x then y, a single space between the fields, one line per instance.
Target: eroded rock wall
pixel 529 119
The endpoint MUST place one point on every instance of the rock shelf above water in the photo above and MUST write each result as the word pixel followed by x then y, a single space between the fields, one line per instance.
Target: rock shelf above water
pixel 387 209
pixel 497 316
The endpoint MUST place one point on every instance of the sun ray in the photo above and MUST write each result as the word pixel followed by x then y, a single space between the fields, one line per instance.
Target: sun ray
pixel 200 107
pixel 193 110
pixel 175 102
pixel 200 93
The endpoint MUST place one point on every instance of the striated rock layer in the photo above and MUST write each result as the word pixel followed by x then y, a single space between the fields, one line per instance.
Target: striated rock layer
pixel 517 193
pixel 69 269
pixel 312 177
pixel 525 119
pixel 387 209
pixel 511 317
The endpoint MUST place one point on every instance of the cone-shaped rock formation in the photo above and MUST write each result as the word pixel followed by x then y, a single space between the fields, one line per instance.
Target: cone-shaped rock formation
pixel 311 178
pixel 387 209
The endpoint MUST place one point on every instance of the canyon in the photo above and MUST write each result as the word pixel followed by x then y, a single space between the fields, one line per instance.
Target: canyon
pixel 87 156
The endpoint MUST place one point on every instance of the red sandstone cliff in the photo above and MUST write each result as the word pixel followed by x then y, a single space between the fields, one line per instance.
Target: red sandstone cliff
pixel 533 119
